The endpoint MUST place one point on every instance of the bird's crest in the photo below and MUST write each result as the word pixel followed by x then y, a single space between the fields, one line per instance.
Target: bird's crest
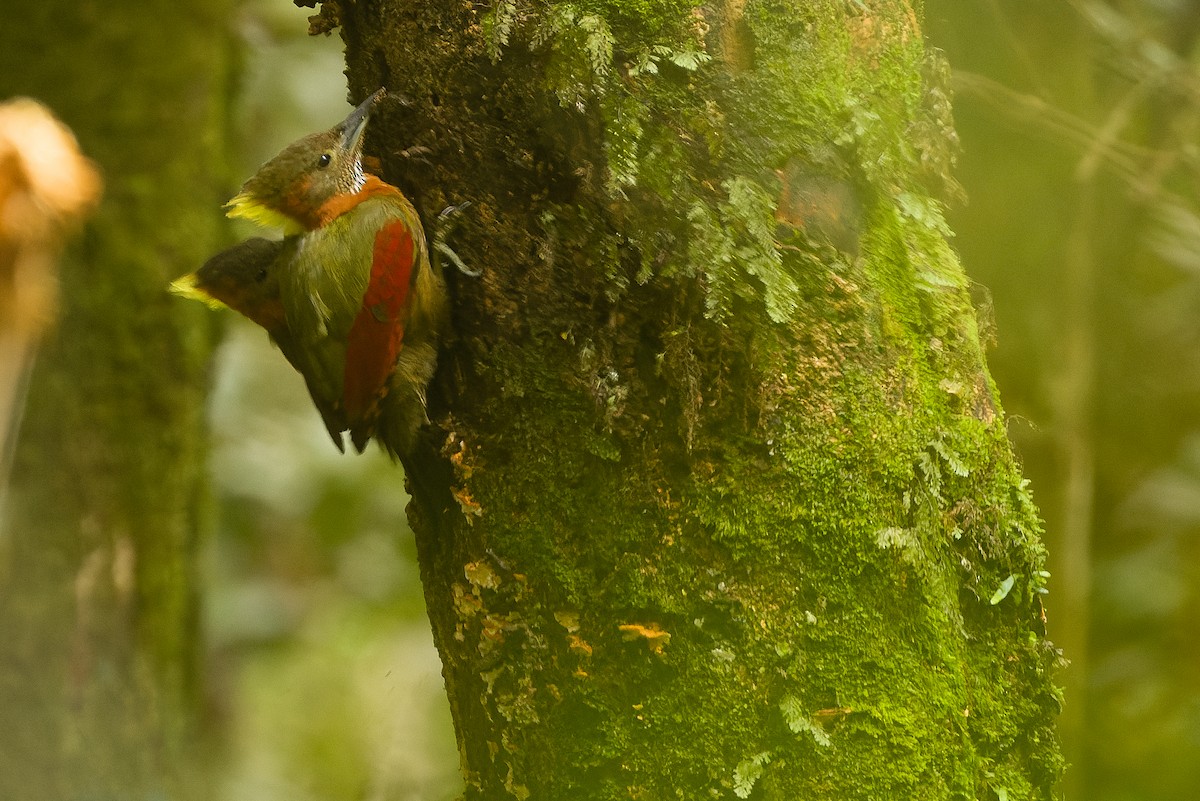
pixel 187 287
pixel 246 206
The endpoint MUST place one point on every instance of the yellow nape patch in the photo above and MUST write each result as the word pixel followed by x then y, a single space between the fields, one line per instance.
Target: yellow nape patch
pixel 246 207
pixel 186 287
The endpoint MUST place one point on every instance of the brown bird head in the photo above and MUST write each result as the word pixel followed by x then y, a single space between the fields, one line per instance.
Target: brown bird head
pixel 299 189
pixel 244 278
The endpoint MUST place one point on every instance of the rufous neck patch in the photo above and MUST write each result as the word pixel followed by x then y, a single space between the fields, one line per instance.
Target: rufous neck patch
pixel 338 205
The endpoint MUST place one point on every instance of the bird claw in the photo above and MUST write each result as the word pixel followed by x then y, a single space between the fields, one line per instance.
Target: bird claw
pixel 452 211
pixel 448 252
pixel 446 223
pixel 417 153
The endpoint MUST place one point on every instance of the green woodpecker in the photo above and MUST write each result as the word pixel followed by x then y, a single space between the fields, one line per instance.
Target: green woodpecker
pixel 348 294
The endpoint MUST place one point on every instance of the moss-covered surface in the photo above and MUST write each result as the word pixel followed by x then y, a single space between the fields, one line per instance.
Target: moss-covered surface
pixel 736 512
pixel 99 640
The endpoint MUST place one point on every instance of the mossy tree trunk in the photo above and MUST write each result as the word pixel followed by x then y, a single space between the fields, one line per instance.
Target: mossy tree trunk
pixel 99 665
pixel 732 509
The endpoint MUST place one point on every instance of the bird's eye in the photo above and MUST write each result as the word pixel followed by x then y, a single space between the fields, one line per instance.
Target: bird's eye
pixel 261 275
pixel 323 162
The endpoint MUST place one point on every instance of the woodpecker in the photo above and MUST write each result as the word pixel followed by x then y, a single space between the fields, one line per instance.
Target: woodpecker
pixel 348 294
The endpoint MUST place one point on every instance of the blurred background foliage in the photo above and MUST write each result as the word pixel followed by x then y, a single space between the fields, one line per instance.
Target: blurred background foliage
pixel 1079 123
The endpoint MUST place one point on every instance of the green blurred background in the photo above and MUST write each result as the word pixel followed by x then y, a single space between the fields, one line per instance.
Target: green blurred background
pixel 1079 124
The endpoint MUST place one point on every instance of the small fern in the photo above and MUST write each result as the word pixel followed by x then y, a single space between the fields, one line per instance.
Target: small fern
pixel 748 772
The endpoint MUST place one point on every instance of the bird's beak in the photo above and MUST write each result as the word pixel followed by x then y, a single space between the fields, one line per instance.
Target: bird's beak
pixel 353 126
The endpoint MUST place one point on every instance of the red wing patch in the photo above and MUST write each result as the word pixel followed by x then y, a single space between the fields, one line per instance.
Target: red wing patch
pixel 377 334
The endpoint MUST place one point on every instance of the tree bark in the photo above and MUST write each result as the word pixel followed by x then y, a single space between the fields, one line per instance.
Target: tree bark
pixel 722 501
pixel 99 640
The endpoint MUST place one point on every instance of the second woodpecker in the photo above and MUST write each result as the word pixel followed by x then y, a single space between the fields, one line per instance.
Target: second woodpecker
pixel 348 294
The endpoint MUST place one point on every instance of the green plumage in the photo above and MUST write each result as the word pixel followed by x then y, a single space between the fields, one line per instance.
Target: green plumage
pixel 348 294
pixel 322 291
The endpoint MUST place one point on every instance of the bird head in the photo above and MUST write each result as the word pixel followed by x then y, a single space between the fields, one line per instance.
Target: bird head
pixel 294 190
pixel 244 278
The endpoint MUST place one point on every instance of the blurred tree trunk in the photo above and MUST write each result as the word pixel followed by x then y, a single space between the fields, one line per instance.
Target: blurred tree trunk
pixel 99 644
pixel 732 508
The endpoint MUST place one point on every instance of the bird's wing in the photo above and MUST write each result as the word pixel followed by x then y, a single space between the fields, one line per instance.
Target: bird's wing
pixel 377 334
